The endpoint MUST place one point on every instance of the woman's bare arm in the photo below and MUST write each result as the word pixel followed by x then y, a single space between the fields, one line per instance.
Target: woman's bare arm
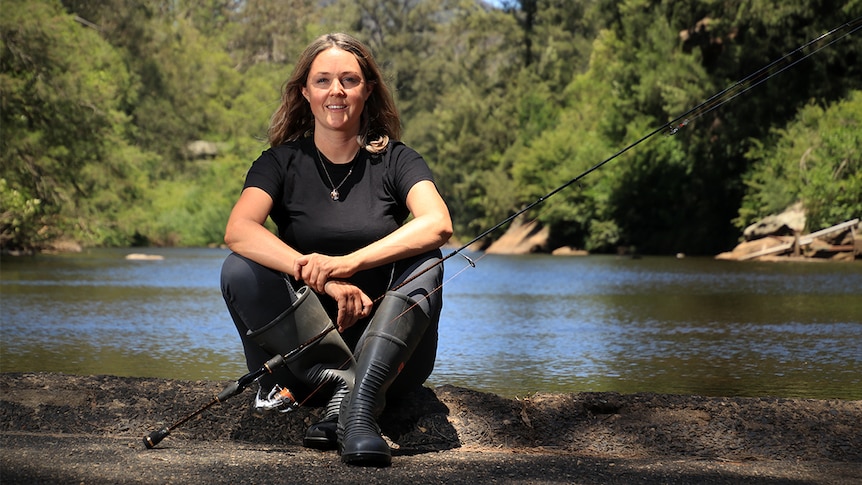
pixel 430 228
pixel 246 235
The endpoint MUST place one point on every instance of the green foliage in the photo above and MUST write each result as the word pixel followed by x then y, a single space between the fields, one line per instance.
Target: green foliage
pixel 20 218
pixel 649 82
pixel 59 109
pixel 100 101
pixel 663 57
pixel 816 159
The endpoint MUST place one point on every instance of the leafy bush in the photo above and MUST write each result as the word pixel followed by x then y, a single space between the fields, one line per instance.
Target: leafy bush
pixel 816 159
pixel 20 218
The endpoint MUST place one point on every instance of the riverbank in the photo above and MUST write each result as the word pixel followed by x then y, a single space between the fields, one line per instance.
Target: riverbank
pixel 58 428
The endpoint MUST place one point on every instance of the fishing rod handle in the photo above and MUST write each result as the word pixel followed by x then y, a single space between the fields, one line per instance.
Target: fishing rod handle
pixel 240 384
pixel 156 437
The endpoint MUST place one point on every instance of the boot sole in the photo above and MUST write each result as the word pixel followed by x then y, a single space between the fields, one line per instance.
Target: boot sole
pixel 322 444
pixel 367 459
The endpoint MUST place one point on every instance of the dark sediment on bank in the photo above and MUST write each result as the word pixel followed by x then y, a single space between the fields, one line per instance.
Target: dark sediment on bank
pixel 88 429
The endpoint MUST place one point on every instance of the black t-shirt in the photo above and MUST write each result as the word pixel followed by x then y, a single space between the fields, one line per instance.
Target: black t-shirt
pixel 372 200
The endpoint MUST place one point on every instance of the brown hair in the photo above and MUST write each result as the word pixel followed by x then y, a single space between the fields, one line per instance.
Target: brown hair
pixel 293 118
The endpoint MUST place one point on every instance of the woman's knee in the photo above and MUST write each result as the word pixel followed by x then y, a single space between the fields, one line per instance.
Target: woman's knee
pixel 254 292
pixel 234 271
pixel 421 278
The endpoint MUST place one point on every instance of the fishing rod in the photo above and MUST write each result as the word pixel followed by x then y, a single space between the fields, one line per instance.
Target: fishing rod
pixel 675 125
pixel 234 388
pixel 671 127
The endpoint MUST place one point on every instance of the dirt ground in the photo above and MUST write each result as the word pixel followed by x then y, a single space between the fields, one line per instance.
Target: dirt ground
pixel 59 428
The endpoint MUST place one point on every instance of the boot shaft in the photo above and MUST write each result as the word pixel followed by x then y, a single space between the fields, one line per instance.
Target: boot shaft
pixel 326 360
pixel 393 334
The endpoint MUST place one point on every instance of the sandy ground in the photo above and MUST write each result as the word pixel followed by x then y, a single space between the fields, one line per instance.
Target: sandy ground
pixel 59 428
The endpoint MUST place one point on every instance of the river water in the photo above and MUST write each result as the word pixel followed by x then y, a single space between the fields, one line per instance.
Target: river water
pixel 511 325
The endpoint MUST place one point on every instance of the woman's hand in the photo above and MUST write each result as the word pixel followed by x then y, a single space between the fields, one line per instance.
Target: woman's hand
pixel 353 304
pixel 316 269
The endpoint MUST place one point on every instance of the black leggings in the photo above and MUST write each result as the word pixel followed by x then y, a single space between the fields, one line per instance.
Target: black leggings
pixel 255 295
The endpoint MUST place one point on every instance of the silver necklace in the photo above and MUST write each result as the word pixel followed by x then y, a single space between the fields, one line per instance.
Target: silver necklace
pixel 334 194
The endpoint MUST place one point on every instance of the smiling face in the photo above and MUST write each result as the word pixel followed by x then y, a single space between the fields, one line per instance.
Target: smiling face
pixel 336 90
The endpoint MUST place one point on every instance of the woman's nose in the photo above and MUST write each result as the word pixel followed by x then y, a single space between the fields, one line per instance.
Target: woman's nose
pixel 336 87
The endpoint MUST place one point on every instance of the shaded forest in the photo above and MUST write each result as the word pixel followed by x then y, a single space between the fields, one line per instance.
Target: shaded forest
pixel 133 122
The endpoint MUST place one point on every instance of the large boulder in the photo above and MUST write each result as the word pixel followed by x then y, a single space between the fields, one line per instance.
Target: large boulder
pixel 780 238
pixel 758 248
pixel 788 223
pixel 522 237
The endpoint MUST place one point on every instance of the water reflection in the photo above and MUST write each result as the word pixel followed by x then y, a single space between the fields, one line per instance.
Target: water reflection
pixel 656 324
pixel 512 325
pixel 97 313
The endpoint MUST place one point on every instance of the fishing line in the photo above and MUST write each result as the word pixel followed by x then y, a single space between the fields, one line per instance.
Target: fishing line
pixel 672 127
pixel 234 388
pixel 407 310
pixel 739 88
pixel 712 103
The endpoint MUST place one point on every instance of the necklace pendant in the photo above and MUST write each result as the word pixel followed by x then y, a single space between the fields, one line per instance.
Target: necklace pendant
pixel 334 194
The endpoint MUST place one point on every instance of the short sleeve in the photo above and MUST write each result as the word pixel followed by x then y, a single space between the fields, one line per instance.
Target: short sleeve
pixel 406 169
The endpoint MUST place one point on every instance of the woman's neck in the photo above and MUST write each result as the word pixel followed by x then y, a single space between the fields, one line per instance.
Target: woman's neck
pixel 337 148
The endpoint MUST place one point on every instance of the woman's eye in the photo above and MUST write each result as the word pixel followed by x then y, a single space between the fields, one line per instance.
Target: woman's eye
pixel 351 82
pixel 345 82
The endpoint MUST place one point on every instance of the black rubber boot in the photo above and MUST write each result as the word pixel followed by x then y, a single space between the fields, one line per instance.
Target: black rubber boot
pixel 322 435
pixel 391 337
pixel 327 361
